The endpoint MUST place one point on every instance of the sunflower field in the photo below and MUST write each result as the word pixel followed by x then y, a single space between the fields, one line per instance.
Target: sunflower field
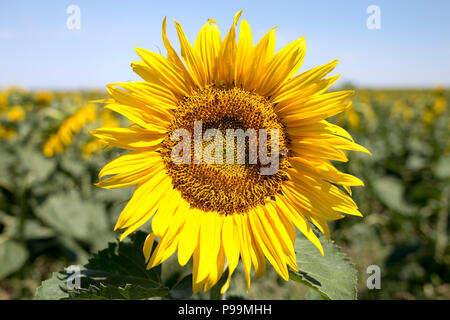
pixel 52 215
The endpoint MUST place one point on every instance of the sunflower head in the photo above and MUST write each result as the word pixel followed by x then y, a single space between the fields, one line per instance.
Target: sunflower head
pixel 230 152
pixel 16 114
pixel 63 137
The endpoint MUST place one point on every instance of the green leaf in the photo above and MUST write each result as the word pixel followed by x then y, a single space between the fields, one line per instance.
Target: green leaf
pixel 128 292
pixel 7 161
pixel 73 165
pixel 182 289
pixel 117 272
pixel 75 217
pixel 125 258
pixel 12 257
pixel 333 276
pixel 37 165
pixel 53 288
pixel 313 295
pixel 32 228
pixel 442 168
pixel 390 191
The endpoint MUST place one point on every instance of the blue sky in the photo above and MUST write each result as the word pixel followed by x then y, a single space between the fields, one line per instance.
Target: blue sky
pixel 37 50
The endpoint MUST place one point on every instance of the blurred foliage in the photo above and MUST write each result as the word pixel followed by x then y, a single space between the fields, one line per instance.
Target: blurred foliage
pixel 52 216
pixel 406 197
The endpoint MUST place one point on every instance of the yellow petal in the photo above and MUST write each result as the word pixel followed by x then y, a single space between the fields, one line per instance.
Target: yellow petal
pixel 169 240
pixel 131 138
pixel 216 270
pixel 227 55
pixel 242 229
pixel 283 65
pixel 175 59
pixel 231 247
pixel 167 208
pixel 258 61
pixel 271 248
pixel 300 222
pixel 165 70
pixel 298 83
pixel 139 116
pixel 139 100
pixel 192 59
pixel 258 259
pixel 148 245
pixel 210 238
pixel 189 237
pixel 144 200
pixel 243 52
pixel 207 46
pixel 129 169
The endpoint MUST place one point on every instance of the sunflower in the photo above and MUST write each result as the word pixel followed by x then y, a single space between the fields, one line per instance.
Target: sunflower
pixel 219 213
pixel 16 114
pixel 63 137
pixel 7 133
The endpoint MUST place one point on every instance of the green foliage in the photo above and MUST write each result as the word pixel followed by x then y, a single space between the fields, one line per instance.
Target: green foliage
pixel 49 206
pixel 405 200
pixel 390 191
pixel 88 221
pixel 117 272
pixel 333 276
pixel 12 256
